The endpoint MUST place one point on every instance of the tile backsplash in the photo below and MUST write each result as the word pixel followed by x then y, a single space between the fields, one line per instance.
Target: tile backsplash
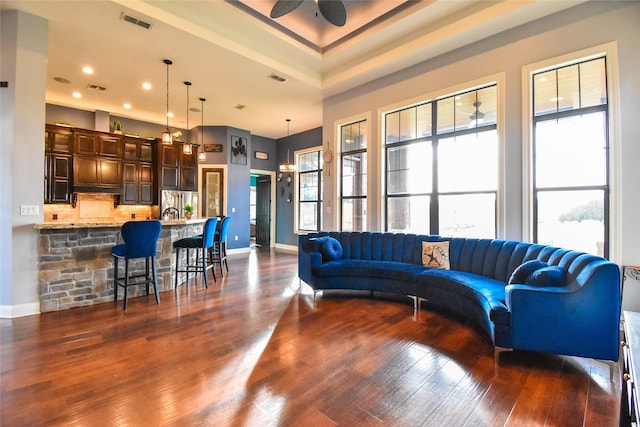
pixel 97 207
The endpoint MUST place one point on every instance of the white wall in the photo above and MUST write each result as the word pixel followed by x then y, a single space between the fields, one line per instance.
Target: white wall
pixel 584 26
pixel 24 67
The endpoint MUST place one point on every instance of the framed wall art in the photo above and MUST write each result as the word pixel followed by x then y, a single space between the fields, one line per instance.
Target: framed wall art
pixel 261 155
pixel 238 150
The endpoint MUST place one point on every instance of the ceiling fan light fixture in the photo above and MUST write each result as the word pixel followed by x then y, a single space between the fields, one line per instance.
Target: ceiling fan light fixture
pixel 477 118
pixel 332 10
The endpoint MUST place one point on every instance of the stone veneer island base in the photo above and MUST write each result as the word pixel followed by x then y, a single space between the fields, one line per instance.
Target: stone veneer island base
pixel 76 266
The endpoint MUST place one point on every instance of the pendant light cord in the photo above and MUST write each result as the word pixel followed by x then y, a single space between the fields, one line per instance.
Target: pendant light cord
pixel 202 121
pixel 288 160
pixel 167 95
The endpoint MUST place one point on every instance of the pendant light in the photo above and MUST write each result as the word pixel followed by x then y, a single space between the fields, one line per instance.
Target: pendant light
pixel 166 135
pixel 288 167
pixel 201 154
pixel 186 148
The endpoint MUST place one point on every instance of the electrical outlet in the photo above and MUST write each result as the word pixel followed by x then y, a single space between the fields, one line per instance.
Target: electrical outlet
pixel 29 210
pixel 236 237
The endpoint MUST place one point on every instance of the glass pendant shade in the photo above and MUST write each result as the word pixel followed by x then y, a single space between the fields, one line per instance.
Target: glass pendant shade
pixel 166 137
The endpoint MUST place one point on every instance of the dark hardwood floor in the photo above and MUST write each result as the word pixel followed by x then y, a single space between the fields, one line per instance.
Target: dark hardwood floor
pixel 252 350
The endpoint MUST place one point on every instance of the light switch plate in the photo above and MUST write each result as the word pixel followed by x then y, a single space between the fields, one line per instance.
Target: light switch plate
pixel 29 210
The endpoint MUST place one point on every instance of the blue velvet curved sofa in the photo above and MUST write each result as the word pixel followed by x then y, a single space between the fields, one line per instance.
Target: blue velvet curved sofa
pixel 580 316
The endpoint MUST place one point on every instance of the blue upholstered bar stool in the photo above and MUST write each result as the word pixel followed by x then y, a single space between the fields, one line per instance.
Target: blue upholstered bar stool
pixel 140 239
pixel 201 244
pixel 218 253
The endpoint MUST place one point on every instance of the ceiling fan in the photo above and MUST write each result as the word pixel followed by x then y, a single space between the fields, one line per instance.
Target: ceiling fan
pixel 332 10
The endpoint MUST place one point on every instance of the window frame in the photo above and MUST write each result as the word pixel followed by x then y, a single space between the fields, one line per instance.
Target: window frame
pixel 612 197
pixel 340 157
pixel 496 81
pixel 297 201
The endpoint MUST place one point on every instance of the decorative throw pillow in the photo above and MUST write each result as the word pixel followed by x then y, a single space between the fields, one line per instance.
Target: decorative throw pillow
pixel 524 270
pixel 436 255
pixel 547 276
pixel 331 249
pixel 318 242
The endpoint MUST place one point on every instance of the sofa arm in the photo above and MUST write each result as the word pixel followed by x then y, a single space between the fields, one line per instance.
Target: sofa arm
pixel 307 259
pixel 566 320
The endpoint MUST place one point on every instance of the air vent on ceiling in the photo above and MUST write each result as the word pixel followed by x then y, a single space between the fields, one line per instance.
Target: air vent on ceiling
pixel 96 87
pixel 277 78
pixel 135 21
pixel 239 107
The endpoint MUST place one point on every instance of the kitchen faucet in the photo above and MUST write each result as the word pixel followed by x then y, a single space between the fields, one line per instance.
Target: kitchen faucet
pixel 171 210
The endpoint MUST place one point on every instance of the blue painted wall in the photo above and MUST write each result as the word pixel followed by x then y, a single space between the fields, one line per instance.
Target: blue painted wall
pixel 238 179
pixel 285 210
pixel 264 145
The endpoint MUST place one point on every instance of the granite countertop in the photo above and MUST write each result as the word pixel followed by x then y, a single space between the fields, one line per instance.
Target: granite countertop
pixel 110 224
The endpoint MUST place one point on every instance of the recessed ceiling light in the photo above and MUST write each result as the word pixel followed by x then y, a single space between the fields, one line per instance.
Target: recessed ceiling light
pixel 559 98
pixel 77 95
pixel 146 85
pixel 87 70
pixel 170 114
pixel 127 106
pixel 543 79
pixel 62 80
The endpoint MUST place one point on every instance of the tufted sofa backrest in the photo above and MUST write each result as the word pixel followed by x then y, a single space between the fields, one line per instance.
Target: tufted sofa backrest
pixel 492 258
pixel 499 258
pixel 377 246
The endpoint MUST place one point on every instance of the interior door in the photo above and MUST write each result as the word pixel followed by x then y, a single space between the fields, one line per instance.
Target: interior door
pixel 263 211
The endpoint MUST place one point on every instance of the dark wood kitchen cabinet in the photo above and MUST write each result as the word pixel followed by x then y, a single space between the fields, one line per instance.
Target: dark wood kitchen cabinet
pixel 58 144
pixel 177 170
pixel 97 161
pixel 97 173
pixel 189 170
pixel 168 166
pixel 138 179
pixel 93 143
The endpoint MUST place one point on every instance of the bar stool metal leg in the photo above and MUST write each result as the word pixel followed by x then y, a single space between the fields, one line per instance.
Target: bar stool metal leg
pixel 155 279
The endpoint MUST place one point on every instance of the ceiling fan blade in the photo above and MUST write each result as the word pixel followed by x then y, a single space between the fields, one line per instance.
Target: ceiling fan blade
pixel 333 11
pixel 282 7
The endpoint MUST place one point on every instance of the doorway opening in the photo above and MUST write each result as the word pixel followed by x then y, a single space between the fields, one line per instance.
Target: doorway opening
pixel 262 209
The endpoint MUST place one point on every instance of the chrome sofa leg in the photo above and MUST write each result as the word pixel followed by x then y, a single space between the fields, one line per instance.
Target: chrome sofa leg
pixel 417 302
pixel 496 354
pixel 610 364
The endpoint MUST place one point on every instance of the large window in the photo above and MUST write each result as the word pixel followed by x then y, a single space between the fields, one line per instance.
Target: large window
pixel 570 190
pixel 442 166
pixel 353 185
pixel 309 190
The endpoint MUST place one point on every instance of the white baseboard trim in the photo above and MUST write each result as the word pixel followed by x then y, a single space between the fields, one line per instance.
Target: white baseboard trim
pixel 21 310
pixel 293 248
